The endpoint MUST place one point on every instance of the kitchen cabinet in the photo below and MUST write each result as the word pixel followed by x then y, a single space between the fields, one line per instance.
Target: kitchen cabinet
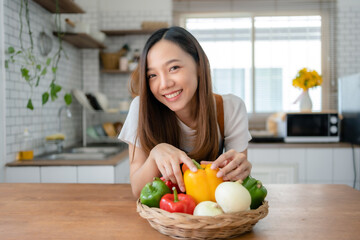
pixel 22 175
pixel 333 165
pixel 70 174
pixel 58 174
pixel 96 174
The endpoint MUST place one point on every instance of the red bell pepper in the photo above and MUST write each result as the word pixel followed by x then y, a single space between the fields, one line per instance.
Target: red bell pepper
pixel 170 184
pixel 181 202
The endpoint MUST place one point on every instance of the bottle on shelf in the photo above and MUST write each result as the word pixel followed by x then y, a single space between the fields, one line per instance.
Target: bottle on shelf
pixel 27 153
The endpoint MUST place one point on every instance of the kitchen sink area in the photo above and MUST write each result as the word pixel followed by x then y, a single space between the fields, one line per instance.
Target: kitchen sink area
pixel 85 153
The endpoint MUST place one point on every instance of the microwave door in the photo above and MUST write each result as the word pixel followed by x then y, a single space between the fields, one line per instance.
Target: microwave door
pixel 307 125
pixel 308 128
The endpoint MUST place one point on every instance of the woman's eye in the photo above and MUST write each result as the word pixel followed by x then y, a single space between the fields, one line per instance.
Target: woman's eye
pixel 151 76
pixel 174 68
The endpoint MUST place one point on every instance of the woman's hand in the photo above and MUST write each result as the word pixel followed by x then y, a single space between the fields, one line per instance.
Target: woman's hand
pixel 168 159
pixel 234 165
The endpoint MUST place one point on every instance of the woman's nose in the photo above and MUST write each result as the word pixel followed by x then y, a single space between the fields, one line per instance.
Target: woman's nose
pixel 165 81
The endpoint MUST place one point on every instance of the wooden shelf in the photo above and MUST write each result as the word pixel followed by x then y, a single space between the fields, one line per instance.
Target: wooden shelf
pixel 127 32
pixel 65 6
pixel 115 71
pixel 81 40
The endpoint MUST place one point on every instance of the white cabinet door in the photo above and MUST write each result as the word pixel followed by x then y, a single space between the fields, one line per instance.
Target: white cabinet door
pixel 59 174
pixel 122 172
pixel 295 156
pixel 275 173
pixel 96 174
pixel 22 175
pixel 319 165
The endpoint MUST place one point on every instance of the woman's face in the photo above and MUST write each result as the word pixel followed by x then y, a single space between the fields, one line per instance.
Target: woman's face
pixel 172 76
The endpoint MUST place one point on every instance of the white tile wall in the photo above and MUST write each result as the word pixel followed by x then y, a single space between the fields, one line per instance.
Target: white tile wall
pixel 43 120
pixel 348 37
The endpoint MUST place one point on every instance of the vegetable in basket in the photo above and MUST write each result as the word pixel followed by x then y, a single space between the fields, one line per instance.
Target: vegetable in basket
pixel 152 193
pixel 207 208
pixel 201 185
pixel 257 191
pixel 233 197
pixel 170 184
pixel 181 202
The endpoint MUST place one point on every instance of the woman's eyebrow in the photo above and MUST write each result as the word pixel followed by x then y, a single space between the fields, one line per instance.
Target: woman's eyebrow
pixel 166 63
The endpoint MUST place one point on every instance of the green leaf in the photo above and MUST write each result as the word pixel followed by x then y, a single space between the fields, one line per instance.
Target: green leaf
pixel 30 105
pixel 44 71
pixel 54 89
pixel 68 98
pixel 10 50
pixel 6 63
pixel 45 97
pixel 38 67
pixel 37 81
pixel 25 73
pixel 48 61
pixel 54 69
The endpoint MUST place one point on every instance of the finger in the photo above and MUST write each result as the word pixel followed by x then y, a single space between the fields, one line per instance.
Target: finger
pixel 178 176
pixel 234 174
pixel 170 174
pixel 163 172
pixel 243 175
pixel 220 161
pixel 227 169
pixel 239 173
pixel 188 162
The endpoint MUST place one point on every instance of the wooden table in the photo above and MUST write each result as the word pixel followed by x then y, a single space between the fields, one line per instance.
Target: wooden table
pixel 100 211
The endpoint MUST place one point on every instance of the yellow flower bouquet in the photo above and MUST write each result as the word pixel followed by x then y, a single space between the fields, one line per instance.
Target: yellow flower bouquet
pixel 306 79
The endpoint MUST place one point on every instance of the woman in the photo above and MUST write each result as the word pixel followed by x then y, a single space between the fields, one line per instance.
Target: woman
pixel 173 120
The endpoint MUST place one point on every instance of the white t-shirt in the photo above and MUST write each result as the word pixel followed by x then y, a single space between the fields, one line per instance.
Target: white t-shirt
pixel 236 129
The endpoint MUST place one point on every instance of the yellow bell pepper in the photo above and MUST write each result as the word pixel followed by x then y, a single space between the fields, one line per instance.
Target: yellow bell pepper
pixel 201 185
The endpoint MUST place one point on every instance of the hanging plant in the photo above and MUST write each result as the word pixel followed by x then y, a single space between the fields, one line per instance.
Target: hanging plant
pixel 33 68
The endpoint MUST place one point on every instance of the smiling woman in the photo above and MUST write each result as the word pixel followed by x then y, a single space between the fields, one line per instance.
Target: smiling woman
pixel 174 118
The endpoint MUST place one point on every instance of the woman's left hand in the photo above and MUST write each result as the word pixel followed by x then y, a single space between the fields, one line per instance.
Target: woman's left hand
pixel 234 165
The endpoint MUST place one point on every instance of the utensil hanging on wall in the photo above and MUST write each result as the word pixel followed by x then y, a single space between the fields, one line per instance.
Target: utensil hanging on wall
pixel 44 43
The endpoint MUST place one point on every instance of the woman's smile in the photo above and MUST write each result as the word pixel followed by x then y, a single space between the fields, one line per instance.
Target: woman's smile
pixel 173 96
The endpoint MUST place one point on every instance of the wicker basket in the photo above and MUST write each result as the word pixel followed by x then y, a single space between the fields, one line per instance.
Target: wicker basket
pixel 111 60
pixel 185 226
pixel 147 25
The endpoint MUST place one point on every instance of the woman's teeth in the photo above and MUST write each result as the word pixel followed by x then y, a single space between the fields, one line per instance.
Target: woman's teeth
pixel 173 94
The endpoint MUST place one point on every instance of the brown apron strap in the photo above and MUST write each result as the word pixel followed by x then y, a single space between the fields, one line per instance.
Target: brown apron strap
pixel 220 113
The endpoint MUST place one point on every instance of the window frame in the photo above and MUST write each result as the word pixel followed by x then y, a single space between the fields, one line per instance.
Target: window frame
pixel 325 49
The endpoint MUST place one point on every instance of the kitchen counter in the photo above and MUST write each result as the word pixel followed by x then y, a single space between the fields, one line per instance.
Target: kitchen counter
pixel 113 161
pixel 97 211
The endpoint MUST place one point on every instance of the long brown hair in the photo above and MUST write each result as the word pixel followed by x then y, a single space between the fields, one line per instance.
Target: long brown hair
pixel 157 123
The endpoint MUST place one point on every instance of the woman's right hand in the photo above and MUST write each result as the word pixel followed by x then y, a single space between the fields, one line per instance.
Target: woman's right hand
pixel 168 159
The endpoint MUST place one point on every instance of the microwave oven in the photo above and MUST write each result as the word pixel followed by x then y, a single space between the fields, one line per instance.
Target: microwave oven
pixel 310 127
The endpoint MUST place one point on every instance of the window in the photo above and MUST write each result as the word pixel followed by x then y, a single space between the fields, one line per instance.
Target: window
pixel 260 67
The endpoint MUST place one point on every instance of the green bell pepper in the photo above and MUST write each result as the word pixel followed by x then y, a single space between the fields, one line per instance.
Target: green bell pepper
pixel 152 193
pixel 257 191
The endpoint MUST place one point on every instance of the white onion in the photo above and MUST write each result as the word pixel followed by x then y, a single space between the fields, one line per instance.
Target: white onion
pixel 207 208
pixel 232 197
